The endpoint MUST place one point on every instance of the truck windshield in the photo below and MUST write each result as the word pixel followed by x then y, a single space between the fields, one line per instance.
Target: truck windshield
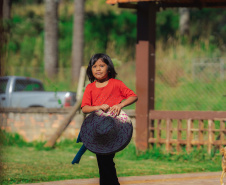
pixel 3 84
pixel 28 85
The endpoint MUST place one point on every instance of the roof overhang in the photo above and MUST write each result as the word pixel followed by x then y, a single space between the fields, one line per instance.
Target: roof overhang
pixel 172 3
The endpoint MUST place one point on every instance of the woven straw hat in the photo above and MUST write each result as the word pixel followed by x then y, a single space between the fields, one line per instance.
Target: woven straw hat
pixel 102 133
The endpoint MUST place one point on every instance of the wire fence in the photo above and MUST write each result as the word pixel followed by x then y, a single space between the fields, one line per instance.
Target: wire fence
pixel 201 86
pixel 204 69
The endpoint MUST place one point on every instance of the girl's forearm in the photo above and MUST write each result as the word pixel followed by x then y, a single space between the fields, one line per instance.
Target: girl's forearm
pixel 87 109
pixel 128 101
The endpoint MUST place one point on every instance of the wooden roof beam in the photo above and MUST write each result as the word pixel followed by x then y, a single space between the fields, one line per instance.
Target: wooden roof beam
pixel 127 5
pixel 193 5
pixel 171 4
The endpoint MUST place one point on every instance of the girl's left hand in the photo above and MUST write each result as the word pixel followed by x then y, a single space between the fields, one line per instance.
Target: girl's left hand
pixel 115 110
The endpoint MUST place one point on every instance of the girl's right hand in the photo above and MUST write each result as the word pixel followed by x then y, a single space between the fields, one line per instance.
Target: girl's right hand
pixel 105 107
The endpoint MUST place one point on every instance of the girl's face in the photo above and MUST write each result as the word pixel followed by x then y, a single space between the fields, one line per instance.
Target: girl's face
pixel 100 70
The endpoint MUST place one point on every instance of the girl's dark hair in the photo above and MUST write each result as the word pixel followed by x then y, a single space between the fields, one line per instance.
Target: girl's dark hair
pixel 107 60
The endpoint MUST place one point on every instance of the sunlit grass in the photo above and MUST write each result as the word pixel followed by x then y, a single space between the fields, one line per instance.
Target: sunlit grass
pixel 27 164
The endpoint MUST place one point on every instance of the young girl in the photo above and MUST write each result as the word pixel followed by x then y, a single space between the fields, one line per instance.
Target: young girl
pixel 106 93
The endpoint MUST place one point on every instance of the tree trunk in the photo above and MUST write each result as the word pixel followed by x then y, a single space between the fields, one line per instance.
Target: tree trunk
pixel 6 9
pixel 184 21
pixel 78 38
pixel 3 40
pixel 51 142
pixel 51 38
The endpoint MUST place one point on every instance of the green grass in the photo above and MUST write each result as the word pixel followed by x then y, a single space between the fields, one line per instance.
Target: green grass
pixel 26 164
pixel 30 162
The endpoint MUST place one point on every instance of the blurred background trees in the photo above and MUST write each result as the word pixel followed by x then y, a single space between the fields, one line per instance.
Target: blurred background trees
pixel 105 27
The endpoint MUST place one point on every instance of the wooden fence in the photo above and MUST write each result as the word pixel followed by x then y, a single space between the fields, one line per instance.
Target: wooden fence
pixel 175 129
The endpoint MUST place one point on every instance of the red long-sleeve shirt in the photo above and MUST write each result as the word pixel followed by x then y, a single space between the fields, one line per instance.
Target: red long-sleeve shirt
pixel 111 94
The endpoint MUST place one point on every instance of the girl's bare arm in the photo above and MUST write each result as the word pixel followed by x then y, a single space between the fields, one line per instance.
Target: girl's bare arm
pixel 87 109
pixel 117 108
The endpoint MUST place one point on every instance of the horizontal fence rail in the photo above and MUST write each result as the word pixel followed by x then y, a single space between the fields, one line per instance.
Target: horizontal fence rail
pixel 175 129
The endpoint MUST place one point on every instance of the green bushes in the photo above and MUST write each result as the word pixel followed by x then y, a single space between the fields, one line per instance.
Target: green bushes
pixel 9 139
pixel 110 33
pixel 167 24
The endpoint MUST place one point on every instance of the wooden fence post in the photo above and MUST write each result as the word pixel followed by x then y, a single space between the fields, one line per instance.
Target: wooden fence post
pixel 179 135
pixel 201 127
pixel 188 147
pixel 158 132
pixel 222 133
pixel 210 135
pixel 81 82
pixel 168 134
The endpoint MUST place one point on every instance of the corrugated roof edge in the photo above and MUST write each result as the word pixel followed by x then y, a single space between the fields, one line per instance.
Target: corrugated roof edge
pixel 126 1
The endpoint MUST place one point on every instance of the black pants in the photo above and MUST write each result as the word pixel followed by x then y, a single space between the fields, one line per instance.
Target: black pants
pixel 107 170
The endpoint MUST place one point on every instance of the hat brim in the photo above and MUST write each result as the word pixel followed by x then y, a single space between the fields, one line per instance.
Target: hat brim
pixel 119 142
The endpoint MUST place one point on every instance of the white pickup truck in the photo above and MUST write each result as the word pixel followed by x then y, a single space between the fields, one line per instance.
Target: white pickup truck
pixel 16 91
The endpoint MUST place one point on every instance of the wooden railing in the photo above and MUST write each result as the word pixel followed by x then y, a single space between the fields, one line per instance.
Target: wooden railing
pixel 175 129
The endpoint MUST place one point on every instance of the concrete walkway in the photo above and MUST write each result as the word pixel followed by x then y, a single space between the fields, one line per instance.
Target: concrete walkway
pixel 207 178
